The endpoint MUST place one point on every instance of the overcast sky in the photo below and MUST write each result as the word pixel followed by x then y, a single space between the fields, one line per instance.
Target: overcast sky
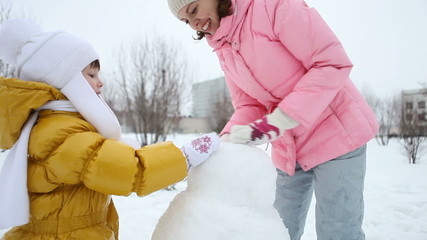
pixel 385 39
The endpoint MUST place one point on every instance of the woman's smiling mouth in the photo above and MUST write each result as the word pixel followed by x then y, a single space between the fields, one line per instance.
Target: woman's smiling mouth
pixel 205 27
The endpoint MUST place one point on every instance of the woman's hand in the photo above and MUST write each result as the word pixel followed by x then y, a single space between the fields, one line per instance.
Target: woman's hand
pixel 263 130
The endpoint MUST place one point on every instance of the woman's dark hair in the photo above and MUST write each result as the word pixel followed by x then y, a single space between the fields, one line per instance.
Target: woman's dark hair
pixel 224 10
pixel 95 64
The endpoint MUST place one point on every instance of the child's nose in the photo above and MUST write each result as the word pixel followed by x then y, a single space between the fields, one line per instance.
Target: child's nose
pixel 100 84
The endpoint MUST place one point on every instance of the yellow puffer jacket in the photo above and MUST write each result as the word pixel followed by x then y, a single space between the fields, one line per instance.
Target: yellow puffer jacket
pixel 73 170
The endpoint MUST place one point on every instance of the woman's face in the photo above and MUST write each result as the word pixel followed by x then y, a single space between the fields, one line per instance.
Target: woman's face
pixel 201 15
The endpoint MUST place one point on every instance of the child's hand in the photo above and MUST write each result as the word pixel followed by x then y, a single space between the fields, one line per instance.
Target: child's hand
pixel 199 149
pixel 263 130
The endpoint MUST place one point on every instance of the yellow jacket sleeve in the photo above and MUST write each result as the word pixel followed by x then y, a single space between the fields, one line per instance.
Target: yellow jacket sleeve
pixel 105 165
pixel 162 164
pixel 143 171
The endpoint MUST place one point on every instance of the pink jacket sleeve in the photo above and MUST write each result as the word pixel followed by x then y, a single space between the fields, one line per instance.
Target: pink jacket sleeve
pixel 306 35
pixel 247 109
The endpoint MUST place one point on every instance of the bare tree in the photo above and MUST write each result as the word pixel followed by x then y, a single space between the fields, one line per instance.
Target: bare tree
pixel 221 113
pixel 387 111
pixel 152 74
pixel 413 128
pixel 375 103
pixel 389 116
pixel 414 137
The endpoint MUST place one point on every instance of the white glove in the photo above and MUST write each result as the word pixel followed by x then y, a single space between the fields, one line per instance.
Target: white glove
pixel 199 149
pixel 263 130
pixel 225 138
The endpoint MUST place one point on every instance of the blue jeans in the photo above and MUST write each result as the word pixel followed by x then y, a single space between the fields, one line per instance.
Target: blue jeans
pixel 338 188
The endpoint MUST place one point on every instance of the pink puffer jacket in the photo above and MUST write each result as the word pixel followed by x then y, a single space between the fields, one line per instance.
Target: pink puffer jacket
pixel 281 53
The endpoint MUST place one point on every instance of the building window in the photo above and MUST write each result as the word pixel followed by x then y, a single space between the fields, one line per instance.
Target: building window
pixel 408 117
pixel 421 117
pixel 409 105
pixel 421 104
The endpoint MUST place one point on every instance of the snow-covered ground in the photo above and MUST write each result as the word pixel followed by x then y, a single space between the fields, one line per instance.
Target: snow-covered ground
pixel 395 198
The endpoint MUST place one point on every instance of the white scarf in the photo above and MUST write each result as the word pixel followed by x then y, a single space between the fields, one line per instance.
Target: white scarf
pixel 14 201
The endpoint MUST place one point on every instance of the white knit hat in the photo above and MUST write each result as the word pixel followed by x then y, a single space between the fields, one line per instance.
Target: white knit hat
pixel 57 58
pixel 176 5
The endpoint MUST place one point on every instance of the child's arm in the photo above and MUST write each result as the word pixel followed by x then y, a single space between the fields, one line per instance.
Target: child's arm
pixel 143 171
pixel 104 165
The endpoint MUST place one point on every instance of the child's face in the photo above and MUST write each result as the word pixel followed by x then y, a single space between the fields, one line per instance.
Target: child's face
pixel 91 75
pixel 201 15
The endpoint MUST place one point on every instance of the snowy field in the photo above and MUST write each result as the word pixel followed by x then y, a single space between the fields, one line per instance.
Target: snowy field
pixel 395 198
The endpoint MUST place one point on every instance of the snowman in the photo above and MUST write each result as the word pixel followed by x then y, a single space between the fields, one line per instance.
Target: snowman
pixel 228 197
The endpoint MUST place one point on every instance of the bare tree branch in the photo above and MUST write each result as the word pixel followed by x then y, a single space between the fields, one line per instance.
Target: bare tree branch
pixel 152 75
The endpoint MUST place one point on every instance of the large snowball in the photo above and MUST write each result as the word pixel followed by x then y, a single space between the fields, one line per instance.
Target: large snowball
pixel 229 197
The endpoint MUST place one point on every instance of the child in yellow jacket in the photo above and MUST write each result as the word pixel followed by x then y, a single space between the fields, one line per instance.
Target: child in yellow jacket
pixel 67 153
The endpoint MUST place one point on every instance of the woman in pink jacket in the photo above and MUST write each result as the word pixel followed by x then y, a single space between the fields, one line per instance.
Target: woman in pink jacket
pixel 288 77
